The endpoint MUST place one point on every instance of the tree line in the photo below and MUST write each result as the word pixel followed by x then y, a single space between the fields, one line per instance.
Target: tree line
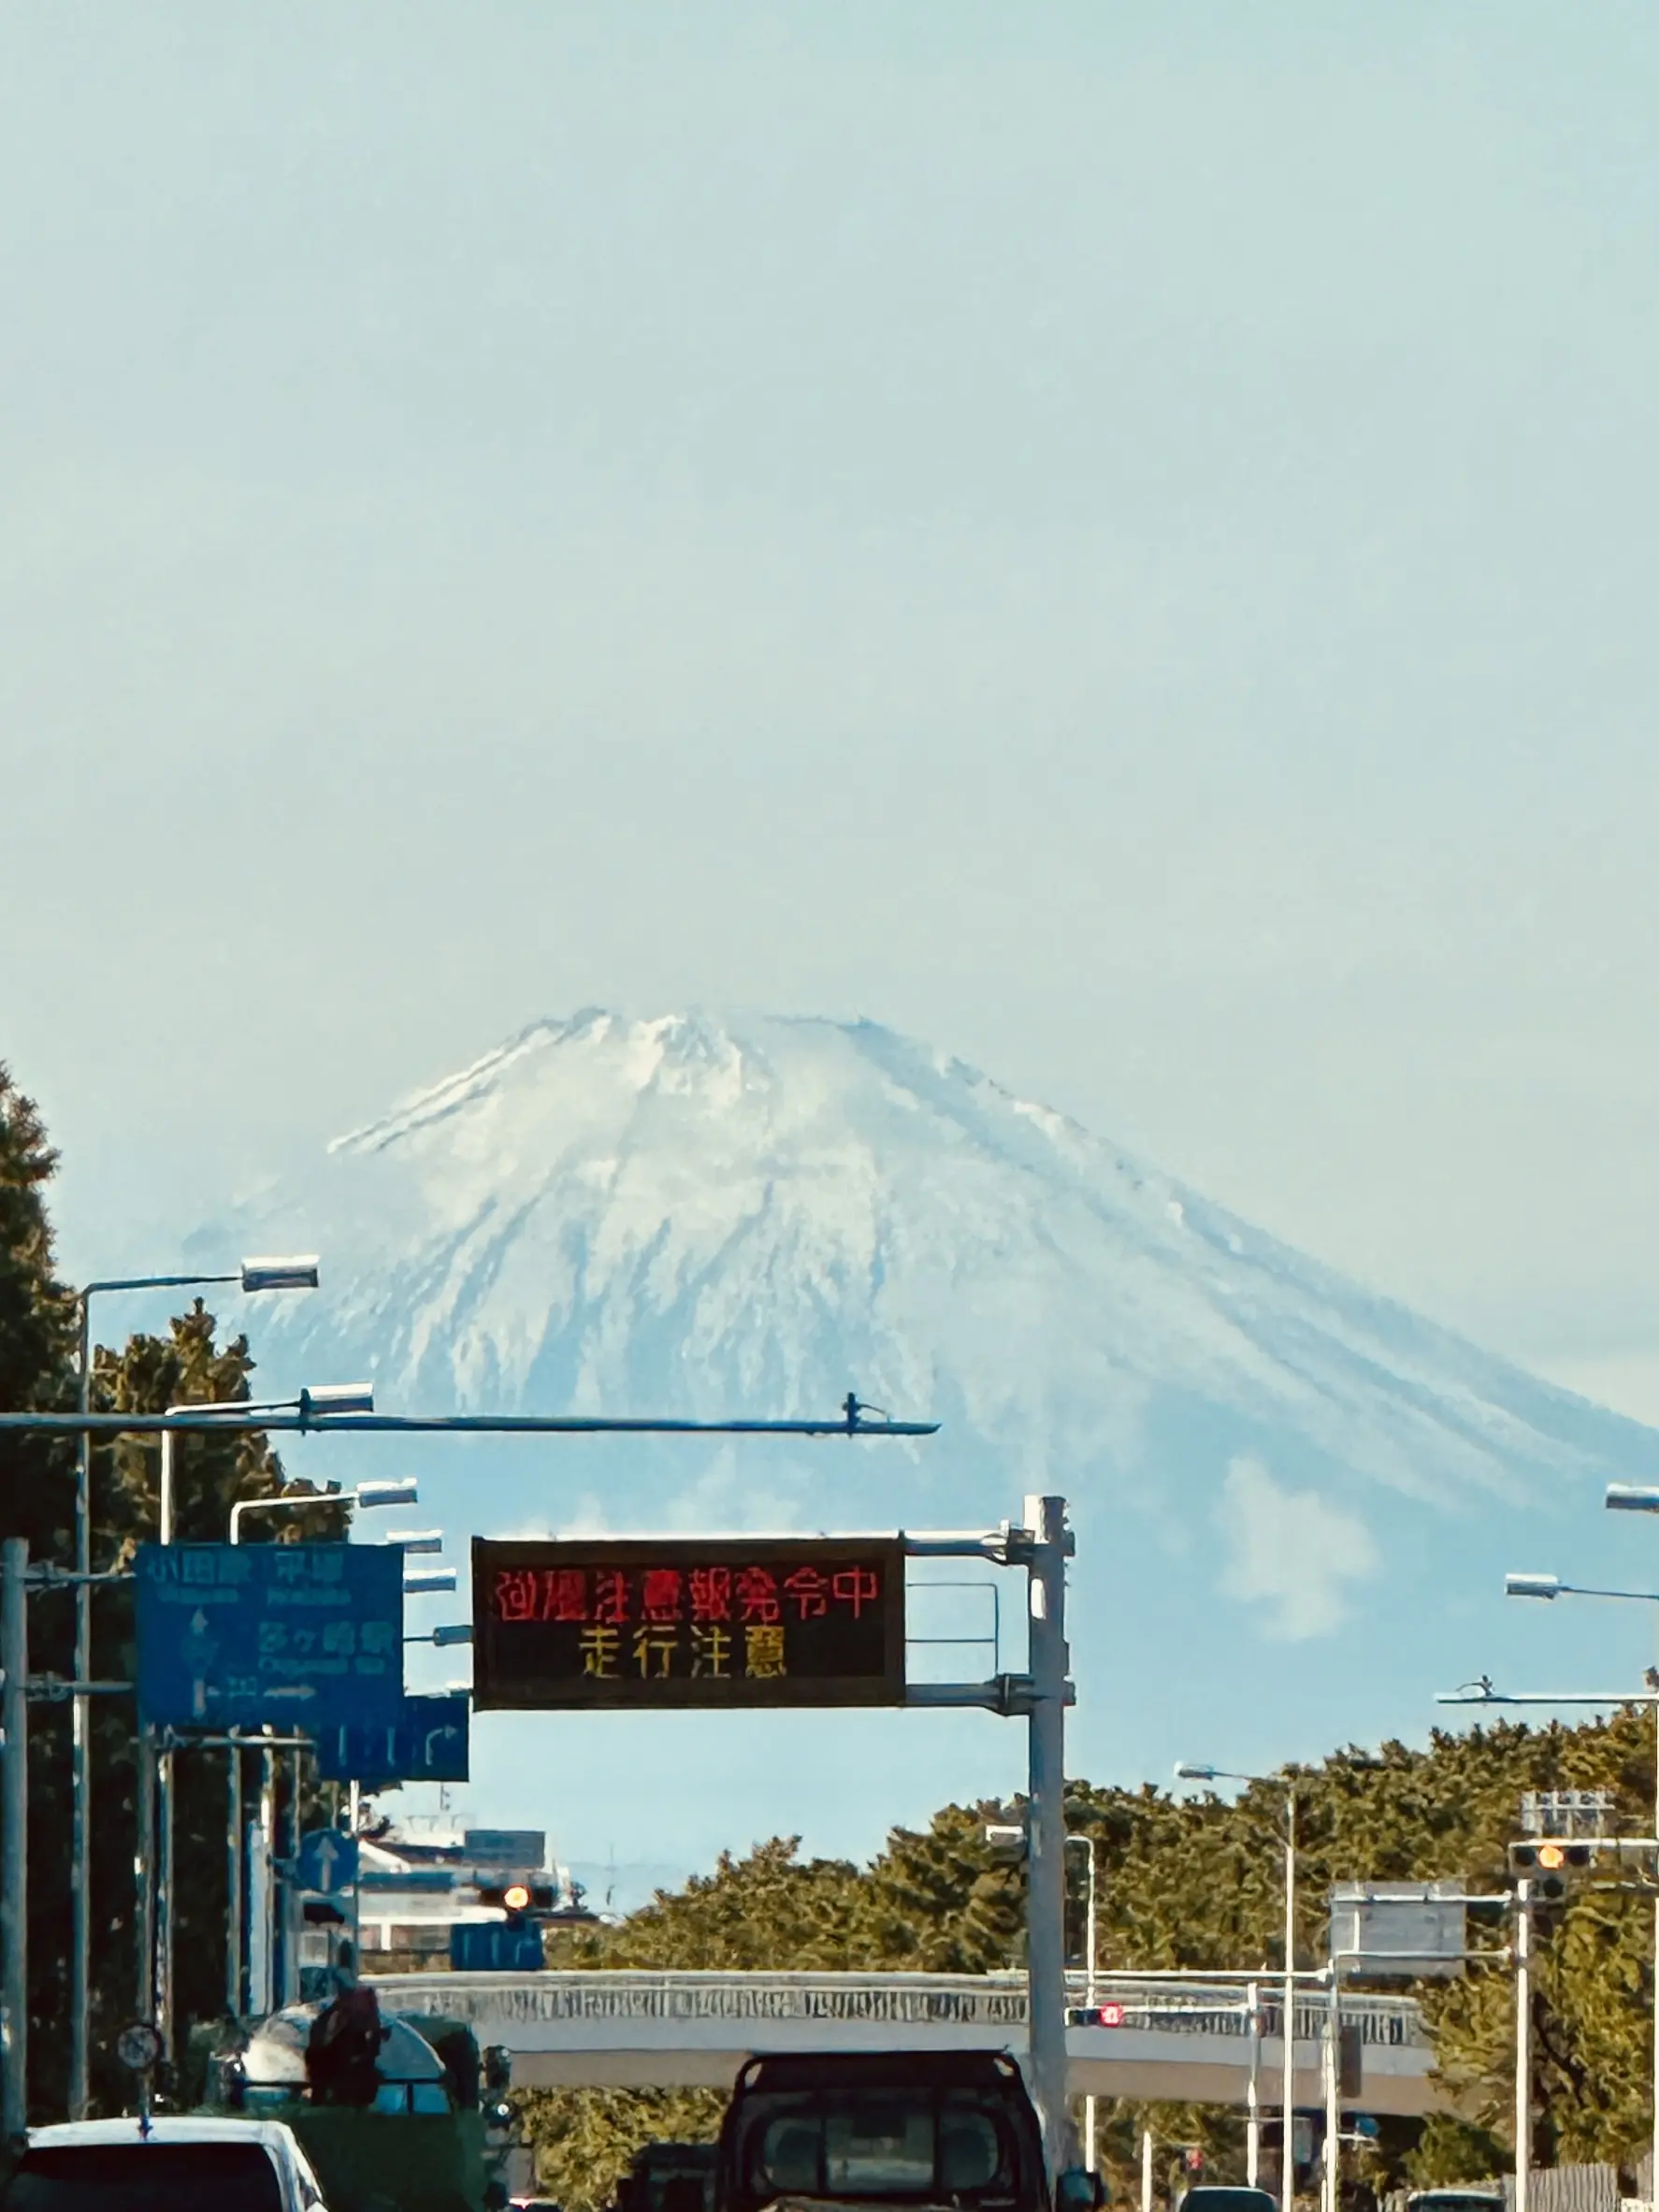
pixel 39 1321
pixel 1198 1883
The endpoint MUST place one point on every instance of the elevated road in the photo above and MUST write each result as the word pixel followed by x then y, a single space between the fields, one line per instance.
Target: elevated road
pixel 639 2029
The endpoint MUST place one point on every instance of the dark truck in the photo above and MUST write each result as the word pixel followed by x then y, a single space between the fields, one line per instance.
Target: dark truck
pixel 668 2177
pixel 919 2129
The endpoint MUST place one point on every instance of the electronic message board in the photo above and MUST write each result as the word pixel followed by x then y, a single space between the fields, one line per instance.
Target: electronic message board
pixel 644 1622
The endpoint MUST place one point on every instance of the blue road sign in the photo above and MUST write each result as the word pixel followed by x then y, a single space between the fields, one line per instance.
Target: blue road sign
pixel 242 1634
pixel 429 1741
pixel 327 1862
pixel 495 1947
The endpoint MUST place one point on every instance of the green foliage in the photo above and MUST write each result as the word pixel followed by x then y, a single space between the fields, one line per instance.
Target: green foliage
pixel 37 1332
pixel 1199 1882
pixel 38 1337
pixel 586 2138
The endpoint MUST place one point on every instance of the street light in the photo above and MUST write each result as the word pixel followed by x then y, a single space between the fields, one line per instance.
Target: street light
pixel 419 1582
pixel 365 1496
pixel 414 1539
pixel 1007 1839
pixel 324 1397
pixel 1552 1586
pixel 266 1274
pixel 452 1632
pixel 1191 1770
pixel 403 1491
pixel 1630 1499
pixel 280 1275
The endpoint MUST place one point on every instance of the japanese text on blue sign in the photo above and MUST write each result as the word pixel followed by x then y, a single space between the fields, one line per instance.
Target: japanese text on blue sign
pixel 230 1634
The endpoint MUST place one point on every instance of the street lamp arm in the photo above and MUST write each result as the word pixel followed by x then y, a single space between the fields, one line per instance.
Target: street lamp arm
pixel 250 1417
pixel 153 1282
pixel 1477 1694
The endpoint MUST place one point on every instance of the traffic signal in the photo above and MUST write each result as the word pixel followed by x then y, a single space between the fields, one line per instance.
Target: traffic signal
pixel 520 1899
pixel 1550 1866
pixel 498 2080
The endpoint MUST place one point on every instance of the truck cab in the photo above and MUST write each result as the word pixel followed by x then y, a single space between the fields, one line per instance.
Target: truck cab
pixel 952 2129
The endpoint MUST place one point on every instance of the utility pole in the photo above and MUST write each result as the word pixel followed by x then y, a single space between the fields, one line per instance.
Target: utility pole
pixel 14 1836
pixel 1046 1890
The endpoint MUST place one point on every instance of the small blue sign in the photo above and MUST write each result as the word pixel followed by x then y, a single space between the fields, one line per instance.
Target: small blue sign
pixel 327 1862
pixel 238 1635
pixel 428 1742
pixel 495 1947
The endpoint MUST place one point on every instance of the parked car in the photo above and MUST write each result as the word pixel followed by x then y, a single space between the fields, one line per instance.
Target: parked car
pixel 169 2165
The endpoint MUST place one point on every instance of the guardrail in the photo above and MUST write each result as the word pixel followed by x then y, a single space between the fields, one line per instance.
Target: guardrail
pixel 899 1999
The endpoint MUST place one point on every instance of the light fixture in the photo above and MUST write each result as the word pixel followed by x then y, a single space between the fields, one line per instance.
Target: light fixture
pixel 415 1540
pixel 1631 1497
pixel 422 1581
pixel 453 1632
pixel 403 1490
pixel 1532 1586
pixel 338 1398
pixel 281 1275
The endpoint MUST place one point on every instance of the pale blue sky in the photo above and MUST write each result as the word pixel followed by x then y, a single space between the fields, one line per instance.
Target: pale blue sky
pixel 1118 538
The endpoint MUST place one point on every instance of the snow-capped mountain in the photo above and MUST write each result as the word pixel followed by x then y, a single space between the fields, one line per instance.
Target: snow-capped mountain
pixel 692 1215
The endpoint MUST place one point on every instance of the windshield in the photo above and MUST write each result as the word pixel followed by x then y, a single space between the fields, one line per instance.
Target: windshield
pixel 146 2177
pixel 1218 2198
pixel 954 2148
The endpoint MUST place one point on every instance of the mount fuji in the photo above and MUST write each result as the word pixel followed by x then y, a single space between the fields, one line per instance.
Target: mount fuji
pixel 1294 1499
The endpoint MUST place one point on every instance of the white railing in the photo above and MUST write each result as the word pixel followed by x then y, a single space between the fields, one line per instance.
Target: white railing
pixel 992 2002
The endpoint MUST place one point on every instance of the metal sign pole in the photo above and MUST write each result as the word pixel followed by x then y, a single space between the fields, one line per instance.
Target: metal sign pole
pixel 163 1902
pixel 1332 2087
pixel 1522 2042
pixel 143 1870
pixel 1286 2155
pixel 162 1884
pixel 1045 1895
pixel 14 1836
pixel 80 1723
pixel 233 1879
pixel 267 1828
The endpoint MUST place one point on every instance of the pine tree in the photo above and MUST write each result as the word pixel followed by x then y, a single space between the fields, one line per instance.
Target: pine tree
pixel 37 1324
pixel 38 1331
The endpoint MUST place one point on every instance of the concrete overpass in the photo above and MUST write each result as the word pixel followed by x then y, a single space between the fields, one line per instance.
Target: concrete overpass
pixel 632 2029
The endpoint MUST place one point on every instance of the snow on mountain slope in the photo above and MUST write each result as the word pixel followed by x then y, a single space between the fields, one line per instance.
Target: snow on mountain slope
pixel 746 1217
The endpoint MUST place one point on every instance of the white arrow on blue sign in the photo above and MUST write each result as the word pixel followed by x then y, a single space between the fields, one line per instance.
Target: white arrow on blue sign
pixel 327 1862
pixel 429 1741
pixel 301 1634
